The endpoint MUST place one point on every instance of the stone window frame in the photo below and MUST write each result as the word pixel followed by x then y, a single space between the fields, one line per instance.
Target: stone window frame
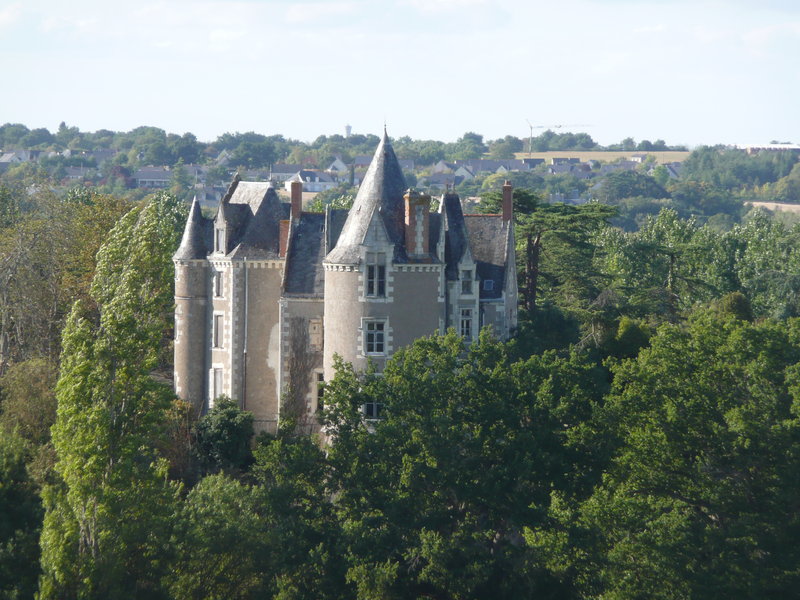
pixel 218 330
pixel 315 333
pixel 372 410
pixel 375 275
pixel 467 282
pixel 465 323
pixel 319 381
pixel 219 284
pixel 384 334
pixel 216 383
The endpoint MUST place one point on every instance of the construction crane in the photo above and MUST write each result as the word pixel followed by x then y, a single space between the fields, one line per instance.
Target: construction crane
pixel 558 126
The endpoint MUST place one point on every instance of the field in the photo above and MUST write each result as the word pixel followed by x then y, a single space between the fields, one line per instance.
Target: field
pixel 777 206
pixel 661 157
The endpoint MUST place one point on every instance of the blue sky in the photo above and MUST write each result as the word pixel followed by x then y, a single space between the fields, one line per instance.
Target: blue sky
pixel 686 71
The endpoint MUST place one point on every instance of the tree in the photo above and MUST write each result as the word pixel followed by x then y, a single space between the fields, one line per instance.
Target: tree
pixel 11 134
pixel 340 197
pixel 28 405
pixel 185 148
pixel 220 542
pixel 47 258
pixel 304 549
pixel 223 437
pixel 180 184
pixel 506 147
pixel 108 515
pixel 436 493
pixel 699 500
pixel 469 145
pixel 627 184
pixel 554 246
pixel 20 520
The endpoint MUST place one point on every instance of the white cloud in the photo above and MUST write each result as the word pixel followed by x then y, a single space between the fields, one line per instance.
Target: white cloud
pixel 650 28
pixel 759 40
pixel 438 6
pixel 10 14
pixel 303 12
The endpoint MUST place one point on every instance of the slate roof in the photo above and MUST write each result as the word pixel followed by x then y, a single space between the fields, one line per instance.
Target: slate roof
pixel 252 213
pixel 284 168
pixel 488 241
pixel 336 220
pixel 381 190
pixel 312 176
pixel 261 237
pixel 154 173
pixel 456 235
pixel 304 274
pixel 484 164
pixel 435 222
pixel 197 235
pixel 310 241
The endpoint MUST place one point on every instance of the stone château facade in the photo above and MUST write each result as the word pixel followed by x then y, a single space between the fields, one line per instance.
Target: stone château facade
pixel 267 294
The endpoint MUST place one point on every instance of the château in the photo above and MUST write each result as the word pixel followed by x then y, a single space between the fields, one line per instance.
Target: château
pixel 267 294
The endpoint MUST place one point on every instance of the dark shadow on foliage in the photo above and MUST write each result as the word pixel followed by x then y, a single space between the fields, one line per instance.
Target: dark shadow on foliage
pixel 222 438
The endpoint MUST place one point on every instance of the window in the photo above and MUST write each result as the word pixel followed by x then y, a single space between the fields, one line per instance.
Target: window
pixel 372 410
pixel 374 337
pixel 376 275
pixel 315 334
pixel 219 240
pixel 217 333
pixel 488 285
pixel 466 323
pixel 466 281
pixel 320 391
pixel 218 284
pixel 216 383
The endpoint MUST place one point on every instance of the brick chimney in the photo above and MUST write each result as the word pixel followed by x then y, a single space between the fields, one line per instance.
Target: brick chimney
pixel 418 208
pixel 508 201
pixel 297 199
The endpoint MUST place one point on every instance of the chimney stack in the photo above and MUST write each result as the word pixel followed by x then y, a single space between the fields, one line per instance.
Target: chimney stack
pixel 508 202
pixel 418 208
pixel 297 200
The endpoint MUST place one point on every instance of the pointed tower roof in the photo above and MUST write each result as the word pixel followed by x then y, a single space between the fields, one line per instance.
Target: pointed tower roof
pixel 381 190
pixel 194 242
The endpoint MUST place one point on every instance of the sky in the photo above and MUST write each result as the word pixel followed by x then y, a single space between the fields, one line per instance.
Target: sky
pixel 686 71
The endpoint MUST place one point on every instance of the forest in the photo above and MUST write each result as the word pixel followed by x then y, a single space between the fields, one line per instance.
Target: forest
pixel 639 437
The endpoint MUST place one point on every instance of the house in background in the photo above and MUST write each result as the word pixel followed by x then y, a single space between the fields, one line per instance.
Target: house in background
pixel 152 177
pixel 312 180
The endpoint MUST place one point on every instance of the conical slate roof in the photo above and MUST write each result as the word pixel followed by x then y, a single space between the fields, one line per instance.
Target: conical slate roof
pixel 381 190
pixel 195 235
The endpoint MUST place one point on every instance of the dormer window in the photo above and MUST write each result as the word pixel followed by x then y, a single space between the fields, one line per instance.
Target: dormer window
pixel 219 240
pixel 488 285
pixel 376 275
pixel 466 281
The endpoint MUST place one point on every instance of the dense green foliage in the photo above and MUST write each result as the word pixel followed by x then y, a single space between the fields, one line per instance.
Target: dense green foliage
pixel 639 437
pixel 111 506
